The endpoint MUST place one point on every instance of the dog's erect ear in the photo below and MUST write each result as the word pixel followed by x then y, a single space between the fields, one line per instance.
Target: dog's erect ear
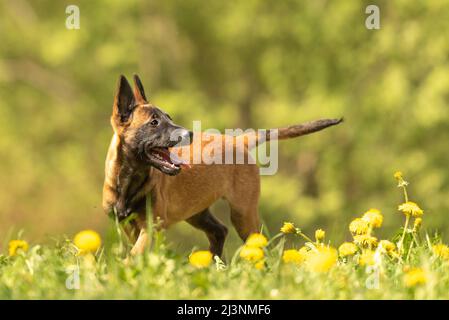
pixel 124 101
pixel 139 93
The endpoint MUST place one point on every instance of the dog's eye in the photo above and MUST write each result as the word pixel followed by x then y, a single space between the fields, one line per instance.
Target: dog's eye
pixel 154 122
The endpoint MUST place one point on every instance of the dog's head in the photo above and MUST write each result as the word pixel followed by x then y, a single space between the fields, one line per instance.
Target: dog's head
pixel 146 131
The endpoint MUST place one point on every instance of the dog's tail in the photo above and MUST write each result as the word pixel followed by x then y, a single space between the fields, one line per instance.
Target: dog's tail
pixel 255 138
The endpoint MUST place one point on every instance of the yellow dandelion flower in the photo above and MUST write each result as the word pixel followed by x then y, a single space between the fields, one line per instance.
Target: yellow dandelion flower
pixel 260 265
pixel 441 251
pixel 288 227
pixel 398 175
pixel 365 240
pixel 304 251
pixel 367 258
pixel 373 217
pixel 387 246
pixel 322 259
pixel 414 277
pixel 256 240
pixel 15 246
pixel 359 226
pixel 347 249
pixel 87 241
pixel 411 208
pixel 319 235
pixel 251 253
pixel 293 256
pixel 201 259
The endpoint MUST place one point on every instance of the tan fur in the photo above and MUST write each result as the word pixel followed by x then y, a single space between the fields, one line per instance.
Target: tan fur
pixel 188 195
pixel 178 198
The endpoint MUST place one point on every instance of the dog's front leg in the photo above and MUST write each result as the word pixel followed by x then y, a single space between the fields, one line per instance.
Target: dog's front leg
pixel 141 242
pixel 139 227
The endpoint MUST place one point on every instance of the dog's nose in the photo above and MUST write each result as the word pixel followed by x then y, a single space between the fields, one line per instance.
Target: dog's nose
pixel 184 137
pixel 181 137
pixel 190 133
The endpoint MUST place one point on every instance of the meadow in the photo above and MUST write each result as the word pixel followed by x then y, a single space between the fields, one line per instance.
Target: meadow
pixel 412 264
pixel 347 231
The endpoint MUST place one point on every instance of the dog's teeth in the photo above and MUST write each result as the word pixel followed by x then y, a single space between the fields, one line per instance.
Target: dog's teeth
pixel 166 163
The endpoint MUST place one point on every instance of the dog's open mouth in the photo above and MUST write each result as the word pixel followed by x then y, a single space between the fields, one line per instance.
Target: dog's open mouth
pixel 166 161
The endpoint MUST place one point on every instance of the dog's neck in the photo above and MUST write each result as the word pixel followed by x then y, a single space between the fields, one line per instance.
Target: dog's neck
pixel 127 177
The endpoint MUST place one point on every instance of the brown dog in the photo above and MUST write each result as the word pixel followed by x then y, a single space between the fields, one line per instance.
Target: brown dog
pixel 142 161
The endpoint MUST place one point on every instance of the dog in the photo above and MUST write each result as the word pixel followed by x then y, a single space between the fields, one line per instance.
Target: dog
pixel 141 164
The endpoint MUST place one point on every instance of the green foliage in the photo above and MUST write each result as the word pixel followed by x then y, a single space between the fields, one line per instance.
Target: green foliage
pixel 259 64
pixel 290 265
pixel 48 272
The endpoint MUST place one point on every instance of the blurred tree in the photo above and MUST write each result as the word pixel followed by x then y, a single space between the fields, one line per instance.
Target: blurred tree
pixel 259 64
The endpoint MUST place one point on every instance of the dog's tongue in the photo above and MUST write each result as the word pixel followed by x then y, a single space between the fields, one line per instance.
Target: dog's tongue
pixel 173 158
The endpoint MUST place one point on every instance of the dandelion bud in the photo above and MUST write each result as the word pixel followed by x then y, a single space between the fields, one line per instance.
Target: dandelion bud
pixel 398 175
pixel 288 227
pixel 319 235
pixel 401 182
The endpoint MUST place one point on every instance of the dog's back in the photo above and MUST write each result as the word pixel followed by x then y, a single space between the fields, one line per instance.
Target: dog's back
pixel 208 179
pixel 140 162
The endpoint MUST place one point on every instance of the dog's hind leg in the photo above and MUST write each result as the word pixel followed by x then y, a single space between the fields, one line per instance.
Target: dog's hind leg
pixel 245 221
pixel 243 199
pixel 215 230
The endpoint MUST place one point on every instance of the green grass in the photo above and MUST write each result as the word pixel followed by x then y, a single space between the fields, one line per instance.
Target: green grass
pixel 50 271
pixel 43 271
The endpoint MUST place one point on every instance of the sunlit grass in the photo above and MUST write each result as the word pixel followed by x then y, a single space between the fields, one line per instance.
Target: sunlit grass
pixel 290 265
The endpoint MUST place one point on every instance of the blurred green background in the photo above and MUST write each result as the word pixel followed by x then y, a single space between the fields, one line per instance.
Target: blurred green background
pixel 247 64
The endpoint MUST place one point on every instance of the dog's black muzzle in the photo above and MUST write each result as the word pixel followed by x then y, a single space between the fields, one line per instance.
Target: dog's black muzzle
pixel 180 137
